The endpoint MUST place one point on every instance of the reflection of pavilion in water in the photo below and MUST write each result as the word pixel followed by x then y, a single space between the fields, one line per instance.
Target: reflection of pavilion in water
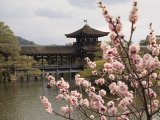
pixel 67 56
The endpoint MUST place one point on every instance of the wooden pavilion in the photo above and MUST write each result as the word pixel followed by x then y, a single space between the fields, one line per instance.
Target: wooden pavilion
pixel 86 41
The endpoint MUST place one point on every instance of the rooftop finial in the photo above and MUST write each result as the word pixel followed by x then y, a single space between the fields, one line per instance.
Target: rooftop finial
pixel 85 21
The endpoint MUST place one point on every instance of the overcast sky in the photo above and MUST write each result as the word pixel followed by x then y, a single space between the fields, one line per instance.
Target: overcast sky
pixel 46 21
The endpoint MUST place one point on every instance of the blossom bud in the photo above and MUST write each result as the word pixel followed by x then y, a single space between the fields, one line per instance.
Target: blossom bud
pixel 102 92
pixel 153 76
pixel 92 116
pixel 111 76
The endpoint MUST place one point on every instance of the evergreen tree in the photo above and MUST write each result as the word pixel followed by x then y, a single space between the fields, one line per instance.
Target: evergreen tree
pixel 8 44
pixel 10 58
pixel 9 49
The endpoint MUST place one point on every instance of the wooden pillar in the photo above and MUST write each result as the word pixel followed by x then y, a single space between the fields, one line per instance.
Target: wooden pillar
pixel 56 60
pixel 71 59
pixel 57 74
pixel 92 57
pixel 34 57
pixel 70 76
pixel 53 60
pixel 42 60
pixel 61 57
pixel 94 41
pixel 49 60
pixel 81 60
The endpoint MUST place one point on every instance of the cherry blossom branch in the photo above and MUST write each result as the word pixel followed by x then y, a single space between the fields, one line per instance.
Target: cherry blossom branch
pixel 62 115
pixel 112 116
pixel 123 67
pixel 131 34
pixel 133 112
pixel 84 112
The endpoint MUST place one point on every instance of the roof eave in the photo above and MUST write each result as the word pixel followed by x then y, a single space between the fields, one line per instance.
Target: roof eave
pixel 87 35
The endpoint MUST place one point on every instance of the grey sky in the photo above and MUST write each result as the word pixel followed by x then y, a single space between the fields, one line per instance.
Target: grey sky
pixel 46 21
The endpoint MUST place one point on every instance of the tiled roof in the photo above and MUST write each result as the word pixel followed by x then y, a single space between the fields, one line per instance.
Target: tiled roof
pixel 37 49
pixel 86 31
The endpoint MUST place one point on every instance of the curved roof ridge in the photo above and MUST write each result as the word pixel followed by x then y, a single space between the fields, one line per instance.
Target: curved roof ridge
pixel 87 31
pixel 46 46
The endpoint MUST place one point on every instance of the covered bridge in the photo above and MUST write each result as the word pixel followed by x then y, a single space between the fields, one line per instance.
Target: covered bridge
pixel 68 55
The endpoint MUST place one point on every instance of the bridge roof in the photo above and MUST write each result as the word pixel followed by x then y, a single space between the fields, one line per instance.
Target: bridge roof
pixel 39 50
pixel 87 31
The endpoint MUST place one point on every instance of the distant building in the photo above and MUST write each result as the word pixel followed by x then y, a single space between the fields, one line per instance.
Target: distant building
pixel 85 46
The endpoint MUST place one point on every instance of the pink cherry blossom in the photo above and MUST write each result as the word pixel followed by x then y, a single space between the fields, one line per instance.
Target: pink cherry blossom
pixel 112 110
pixel 110 104
pixel 144 72
pixel 63 91
pixel 51 80
pixel 62 84
pixel 49 77
pixel 118 67
pixel 90 63
pixel 73 101
pixel 94 72
pixel 102 92
pixel 111 76
pixel 108 65
pixel 66 109
pixel 46 104
pixel 59 96
pixel 86 83
pixel 153 76
pixel 100 81
pixel 79 80
pixel 118 25
pixel 137 60
pixel 154 105
pixel 92 89
pixel 111 26
pixel 115 39
pixel 153 63
pixel 134 13
pixel 133 49
pixel 151 36
pixel 109 53
pixel 113 88
pixel 84 102
pixel 151 93
pixel 102 109
pixel 105 46
pixel 125 102
pixel 103 118
pixel 76 94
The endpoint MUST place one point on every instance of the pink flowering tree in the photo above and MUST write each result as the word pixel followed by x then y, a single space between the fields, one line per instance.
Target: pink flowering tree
pixel 125 73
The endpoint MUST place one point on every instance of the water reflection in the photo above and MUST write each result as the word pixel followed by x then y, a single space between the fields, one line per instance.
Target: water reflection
pixel 20 101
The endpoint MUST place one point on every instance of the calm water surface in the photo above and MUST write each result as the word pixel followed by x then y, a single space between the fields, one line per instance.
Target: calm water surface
pixel 20 101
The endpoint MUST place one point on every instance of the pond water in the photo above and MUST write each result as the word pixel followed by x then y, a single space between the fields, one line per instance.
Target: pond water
pixel 20 101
